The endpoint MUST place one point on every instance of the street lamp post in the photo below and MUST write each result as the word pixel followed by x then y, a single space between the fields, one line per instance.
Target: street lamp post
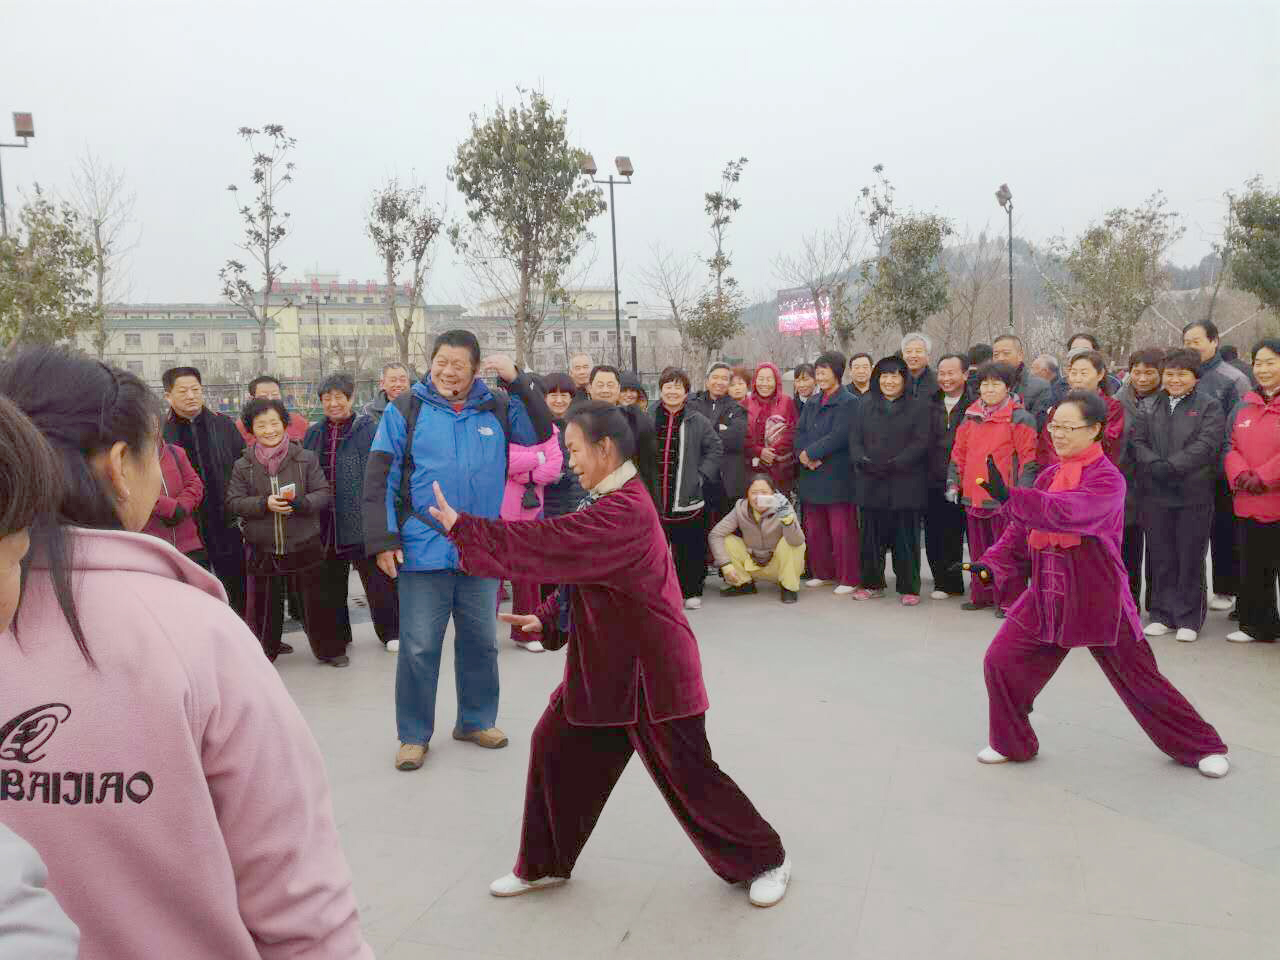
pixel 316 301
pixel 24 127
pixel 1005 196
pixel 625 169
pixel 633 326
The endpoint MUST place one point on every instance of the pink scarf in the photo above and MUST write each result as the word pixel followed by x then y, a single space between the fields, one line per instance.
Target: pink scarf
pixel 272 457
pixel 1067 478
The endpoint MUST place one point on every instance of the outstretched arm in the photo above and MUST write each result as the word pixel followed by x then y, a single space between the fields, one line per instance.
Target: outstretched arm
pixel 1086 511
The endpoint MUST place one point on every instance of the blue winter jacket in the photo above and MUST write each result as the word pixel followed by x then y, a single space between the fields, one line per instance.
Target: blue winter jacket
pixel 466 452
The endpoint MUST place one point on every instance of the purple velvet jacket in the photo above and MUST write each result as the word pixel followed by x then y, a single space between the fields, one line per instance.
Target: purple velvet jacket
pixel 628 636
pixel 1077 597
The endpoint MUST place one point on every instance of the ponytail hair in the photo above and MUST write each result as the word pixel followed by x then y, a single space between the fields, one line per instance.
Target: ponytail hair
pixel 632 433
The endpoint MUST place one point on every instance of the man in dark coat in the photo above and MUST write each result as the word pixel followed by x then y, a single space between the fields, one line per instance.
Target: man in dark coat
pixel 922 382
pixel 729 420
pixel 1138 396
pixel 944 521
pixel 395 381
pixel 1031 390
pixel 213 444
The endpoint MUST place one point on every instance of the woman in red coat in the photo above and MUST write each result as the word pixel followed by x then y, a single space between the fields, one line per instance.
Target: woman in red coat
pixel 174 518
pixel 633 676
pixel 1088 371
pixel 771 429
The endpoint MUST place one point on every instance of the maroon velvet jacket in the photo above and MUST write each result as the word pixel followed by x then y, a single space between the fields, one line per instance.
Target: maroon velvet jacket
pixel 628 636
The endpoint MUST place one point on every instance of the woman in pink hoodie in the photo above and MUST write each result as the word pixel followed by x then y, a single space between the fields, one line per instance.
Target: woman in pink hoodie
pixel 153 758
pixel 529 470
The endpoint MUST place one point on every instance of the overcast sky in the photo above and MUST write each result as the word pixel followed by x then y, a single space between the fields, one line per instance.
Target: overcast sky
pixel 1081 106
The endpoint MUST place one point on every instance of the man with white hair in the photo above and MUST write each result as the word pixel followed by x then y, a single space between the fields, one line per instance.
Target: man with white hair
pixel 915 351
pixel 1046 368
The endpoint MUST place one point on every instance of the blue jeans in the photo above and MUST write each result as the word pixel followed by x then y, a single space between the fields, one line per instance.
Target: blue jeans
pixel 427 601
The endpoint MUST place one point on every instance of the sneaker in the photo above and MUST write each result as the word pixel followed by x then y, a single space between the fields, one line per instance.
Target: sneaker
pixel 1001 613
pixel 693 603
pixel 910 600
pixel 338 661
pixel 970 605
pixel 815 582
pixel 862 593
pixel 843 590
pixel 939 595
pixel 1155 629
pixel 1220 602
pixel 789 596
pixel 513 886
pixel 1186 635
pixel 1215 765
pixel 770 887
pixel 1239 636
pixel 491 739
pixel 991 755
pixel 393 646
pixel 742 590
pixel 411 756
pixel 286 648
pixel 532 646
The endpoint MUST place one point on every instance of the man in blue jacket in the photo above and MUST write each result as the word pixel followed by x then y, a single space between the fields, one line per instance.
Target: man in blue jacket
pixel 451 429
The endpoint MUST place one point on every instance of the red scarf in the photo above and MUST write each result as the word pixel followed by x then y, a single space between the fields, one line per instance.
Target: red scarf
pixel 272 457
pixel 1067 478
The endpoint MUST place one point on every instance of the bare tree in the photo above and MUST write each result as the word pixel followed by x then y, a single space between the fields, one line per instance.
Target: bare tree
pixel 402 225
pixel 825 266
pixel 105 202
pixel 669 279
pixel 264 228
pixel 977 293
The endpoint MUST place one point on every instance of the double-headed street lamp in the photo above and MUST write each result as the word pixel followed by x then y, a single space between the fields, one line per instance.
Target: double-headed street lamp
pixel 625 169
pixel 1005 196
pixel 24 127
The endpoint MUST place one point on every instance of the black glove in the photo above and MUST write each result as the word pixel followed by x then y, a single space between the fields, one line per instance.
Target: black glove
pixel 1160 471
pixel 993 482
pixel 178 516
pixel 979 570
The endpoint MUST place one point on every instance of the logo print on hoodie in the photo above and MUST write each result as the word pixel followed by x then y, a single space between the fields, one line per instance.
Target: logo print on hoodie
pixel 22 739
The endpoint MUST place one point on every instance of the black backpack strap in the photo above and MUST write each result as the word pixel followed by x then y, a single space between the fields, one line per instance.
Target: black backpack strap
pixel 410 407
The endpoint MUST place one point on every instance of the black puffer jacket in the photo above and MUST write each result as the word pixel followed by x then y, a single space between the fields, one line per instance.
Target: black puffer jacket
pixel 889 446
pixel 944 427
pixel 695 460
pixel 729 419
pixel 1188 438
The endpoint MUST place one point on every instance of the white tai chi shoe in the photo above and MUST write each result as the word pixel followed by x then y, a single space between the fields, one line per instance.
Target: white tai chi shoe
pixel 815 582
pixel 1219 602
pixel 939 595
pixel 1239 636
pixel 393 646
pixel 1215 765
pixel 1155 629
pixel 843 589
pixel 1186 635
pixel 693 603
pixel 770 887
pixel 513 886
pixel 532 646
pixel 991 755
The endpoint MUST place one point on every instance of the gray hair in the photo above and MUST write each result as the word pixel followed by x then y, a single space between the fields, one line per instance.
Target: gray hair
pixel 917 335
pixel 715 365
pixel 394 365
pixel 1049 361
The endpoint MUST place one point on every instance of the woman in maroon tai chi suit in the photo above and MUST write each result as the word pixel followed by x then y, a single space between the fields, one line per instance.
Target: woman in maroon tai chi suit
pixel 1068 528
pixel 633 676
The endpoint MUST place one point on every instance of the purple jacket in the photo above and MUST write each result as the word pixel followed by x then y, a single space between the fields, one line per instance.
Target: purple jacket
pixel 1078 597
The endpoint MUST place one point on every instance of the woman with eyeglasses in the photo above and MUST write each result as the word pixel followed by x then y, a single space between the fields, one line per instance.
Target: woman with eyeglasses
pixel 1067 528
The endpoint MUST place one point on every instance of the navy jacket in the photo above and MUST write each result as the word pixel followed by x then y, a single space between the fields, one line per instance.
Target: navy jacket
pixel 351 462
pixel 823 433
pixel 1189 438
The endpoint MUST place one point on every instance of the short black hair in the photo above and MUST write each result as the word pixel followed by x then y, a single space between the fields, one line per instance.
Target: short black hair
pixel 629 381
pixel 1010 338
pixel 802 370
pixel 394 365
pixel 1229 353
pixel 1181 358
pixel 1210 328
pixel 834 361
pixel 979 354
pixel 30 475
pixel 261 379
pixel 1267 343
pixel 997 371
pixel 964 361
pixel 170 376
pixel 341 382
pixel 1096 360
pixel 671 374
pixel 1147 356
pixel 558 383
pixel 870 359
pixel 260 405
pixel 459 338
pixel 1083 335
pixel 604 368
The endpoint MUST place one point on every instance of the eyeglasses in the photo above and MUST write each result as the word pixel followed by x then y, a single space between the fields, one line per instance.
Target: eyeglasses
pixel 1060 428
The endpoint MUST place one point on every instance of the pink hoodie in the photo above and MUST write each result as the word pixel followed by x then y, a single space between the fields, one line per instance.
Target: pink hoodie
pixel 541 464
pixel 175 792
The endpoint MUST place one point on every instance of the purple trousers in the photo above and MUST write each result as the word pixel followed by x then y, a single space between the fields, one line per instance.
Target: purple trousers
pixel 1017 667
pixel 525 597
pixel 572 771
pixel 831 542
pixel 983 532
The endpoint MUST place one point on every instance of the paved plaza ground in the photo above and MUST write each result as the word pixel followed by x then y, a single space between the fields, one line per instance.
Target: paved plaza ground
pixel 853 727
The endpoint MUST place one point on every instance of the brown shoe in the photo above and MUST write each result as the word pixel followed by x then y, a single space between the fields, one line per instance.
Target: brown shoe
pixel 491 739
pixel 411 756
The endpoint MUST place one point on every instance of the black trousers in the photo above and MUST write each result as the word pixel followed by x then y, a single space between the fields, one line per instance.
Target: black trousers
pixel 688 539
pixel 228 566
pixel 944 526
pixel 1133 548
pixel 1259 569
pixel 896 532
pixel 1177 539
pixel 379 589
pixel 1226 569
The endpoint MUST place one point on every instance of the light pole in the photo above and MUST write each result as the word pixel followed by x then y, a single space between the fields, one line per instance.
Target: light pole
pixel 633 327
pixel 24 127
pixel 316 301
pixel 1005 196
pixel 625 169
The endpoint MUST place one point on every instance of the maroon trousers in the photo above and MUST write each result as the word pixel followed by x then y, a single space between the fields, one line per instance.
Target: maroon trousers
pixel 831 542
pixel 572 771
pixel 525 598
pixel 1017 667
pixel 983 532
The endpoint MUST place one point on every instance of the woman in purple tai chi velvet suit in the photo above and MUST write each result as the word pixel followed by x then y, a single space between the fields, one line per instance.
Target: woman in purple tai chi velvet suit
pixel 1068 528
pixel 632 677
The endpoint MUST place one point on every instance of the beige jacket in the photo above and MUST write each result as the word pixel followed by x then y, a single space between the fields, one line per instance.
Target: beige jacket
pixel 761 536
